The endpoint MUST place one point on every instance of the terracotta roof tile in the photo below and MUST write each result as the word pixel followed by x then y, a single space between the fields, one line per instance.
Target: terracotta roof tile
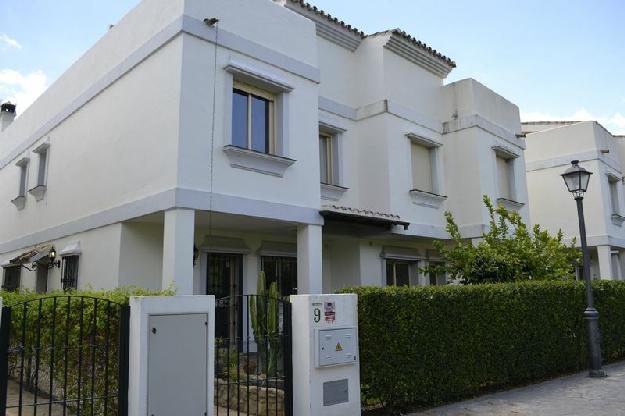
pixel 360 33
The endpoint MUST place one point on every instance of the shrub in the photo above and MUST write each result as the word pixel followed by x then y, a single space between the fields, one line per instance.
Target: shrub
pixel 72 330
pixel 508 251
pixel 425 346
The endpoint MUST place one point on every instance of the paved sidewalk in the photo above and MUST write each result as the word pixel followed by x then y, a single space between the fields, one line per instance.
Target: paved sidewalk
pixel 571 395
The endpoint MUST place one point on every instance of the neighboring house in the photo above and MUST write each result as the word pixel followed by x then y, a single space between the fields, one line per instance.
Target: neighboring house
pixel 551 146
pixel 298 146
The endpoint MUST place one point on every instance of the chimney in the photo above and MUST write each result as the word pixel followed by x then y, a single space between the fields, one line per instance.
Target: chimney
pixel 7 115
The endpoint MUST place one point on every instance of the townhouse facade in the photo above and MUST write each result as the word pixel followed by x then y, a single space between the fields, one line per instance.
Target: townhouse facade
pixel 551 146
pixel 199 142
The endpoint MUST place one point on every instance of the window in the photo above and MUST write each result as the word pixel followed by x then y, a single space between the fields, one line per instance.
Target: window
pixel 253 118
pixel 43 167
pixel 613 184
pixel 11 281
pixel 70 272
pixel 436 278
pixel 326 159
pixel 504 177
pixel 23 165
pixel 421 157
pixel 282 270
pixel 397 273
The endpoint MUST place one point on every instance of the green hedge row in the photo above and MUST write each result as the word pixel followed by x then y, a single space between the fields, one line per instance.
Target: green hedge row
pixel 426 346
pixel 71 338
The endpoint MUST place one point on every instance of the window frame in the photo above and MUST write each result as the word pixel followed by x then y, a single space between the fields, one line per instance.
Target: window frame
pixel 393 263
pixel 65 280
pixel 12 268
pixel 23 165
pixel 511 159
pixel 614 194
pixel 330 161
pixel 252 91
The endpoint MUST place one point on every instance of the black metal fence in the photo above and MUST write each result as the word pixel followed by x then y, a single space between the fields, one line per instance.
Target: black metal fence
pixel 64 355
pixel 253 368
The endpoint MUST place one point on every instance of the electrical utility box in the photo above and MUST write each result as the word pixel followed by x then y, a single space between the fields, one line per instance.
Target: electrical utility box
pixel 336 347
pixel 177 364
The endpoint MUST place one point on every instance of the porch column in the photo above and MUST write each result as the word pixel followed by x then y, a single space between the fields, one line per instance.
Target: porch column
pixel 309 264
pixel 178 250
pixel 604 254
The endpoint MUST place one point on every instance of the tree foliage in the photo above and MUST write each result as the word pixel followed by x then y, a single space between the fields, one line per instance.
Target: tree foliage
pixel 509 251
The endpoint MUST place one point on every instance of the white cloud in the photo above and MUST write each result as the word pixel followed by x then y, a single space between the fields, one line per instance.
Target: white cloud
pixel 7 42
pixel 21 89
pixel 615 122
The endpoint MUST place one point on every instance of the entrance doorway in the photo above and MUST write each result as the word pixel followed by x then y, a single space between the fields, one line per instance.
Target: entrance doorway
pixel 42 278
pixel 224 280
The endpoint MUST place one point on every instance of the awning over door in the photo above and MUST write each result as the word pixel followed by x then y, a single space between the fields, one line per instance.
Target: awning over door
pixel 32 256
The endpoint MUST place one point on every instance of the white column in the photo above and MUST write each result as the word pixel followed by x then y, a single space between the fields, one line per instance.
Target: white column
pixel 178 250
pixel 309 259
pixel 604 254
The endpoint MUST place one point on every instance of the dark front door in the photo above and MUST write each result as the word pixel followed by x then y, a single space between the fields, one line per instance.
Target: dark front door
pixel 42 278
pixel 282 270
pixel 224 279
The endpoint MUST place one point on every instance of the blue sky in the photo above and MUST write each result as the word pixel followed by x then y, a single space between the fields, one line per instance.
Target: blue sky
pixel 555 59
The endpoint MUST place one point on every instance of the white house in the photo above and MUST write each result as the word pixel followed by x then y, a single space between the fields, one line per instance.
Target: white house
pixel 200 141
pixel 551 146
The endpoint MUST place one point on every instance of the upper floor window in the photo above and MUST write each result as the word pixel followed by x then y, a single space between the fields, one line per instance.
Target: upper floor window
pixel 23 183
pixel 421 157
pixel 326 159
pixel 613 185
pixel 11 281
pixel 253 118
pixel 504 177
pixel 43 166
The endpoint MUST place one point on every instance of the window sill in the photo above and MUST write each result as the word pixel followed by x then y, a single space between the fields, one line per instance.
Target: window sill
pixel 509 204
pixel 257 162
pixel 427 199
pixel 19 202
pixel 332 192
pixel 618 219
pixel 38 192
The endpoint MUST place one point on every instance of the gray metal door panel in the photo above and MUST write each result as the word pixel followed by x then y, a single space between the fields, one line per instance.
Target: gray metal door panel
pixel 177 365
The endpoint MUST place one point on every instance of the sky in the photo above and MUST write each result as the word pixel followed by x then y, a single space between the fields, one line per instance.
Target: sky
pixel 555 59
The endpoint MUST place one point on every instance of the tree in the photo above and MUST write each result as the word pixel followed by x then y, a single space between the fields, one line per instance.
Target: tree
pixel 507 252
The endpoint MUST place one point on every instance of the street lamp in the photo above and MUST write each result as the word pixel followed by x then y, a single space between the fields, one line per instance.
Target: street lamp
pixel 576 179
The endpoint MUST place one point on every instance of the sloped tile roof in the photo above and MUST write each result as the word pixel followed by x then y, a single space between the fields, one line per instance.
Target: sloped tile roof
pixel 398 32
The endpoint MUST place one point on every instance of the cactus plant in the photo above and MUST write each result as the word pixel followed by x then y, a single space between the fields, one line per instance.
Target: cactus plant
pixel 265 317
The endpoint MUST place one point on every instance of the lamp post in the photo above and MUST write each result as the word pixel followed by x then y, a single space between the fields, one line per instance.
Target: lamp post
pixel 576 179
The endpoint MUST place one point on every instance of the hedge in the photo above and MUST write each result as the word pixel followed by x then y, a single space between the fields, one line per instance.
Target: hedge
pixel 64 311
pixel 426 346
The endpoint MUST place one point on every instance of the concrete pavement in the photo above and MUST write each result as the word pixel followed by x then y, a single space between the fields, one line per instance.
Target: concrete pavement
pixel 576 394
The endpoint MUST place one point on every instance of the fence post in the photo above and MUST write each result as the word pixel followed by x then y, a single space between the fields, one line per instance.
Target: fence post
pixel 124 336
pixel 5 328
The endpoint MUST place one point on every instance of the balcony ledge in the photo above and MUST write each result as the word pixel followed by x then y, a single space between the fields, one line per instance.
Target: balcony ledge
pixel 617 219
pixel 38 192
pixel 257 162
pixel 19 202
pixel 427 199
pixel 332 192
pixel 509 204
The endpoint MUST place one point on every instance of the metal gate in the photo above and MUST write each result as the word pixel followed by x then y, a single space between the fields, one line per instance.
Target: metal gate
pixel 253 368
pixel 64 355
